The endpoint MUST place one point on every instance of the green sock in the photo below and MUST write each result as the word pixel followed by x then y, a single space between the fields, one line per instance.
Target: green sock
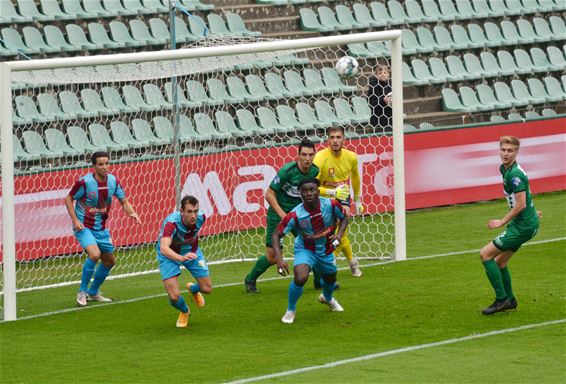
pixel 260 266
pixel 494 275
pixel 506 278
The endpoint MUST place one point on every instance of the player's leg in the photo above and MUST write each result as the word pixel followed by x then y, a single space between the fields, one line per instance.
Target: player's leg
pixel 199 269
pixel 488 255
pixel 502 260
pixel 346 248
pixel 265 261
pixel 88 243
pixel 170 272
pixel 106 264
pixel 302 265
pixel 327 267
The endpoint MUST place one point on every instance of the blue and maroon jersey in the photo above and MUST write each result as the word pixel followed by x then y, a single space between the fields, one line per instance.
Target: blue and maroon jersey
pixel 185 239
pixel 94 199
pixel 314 227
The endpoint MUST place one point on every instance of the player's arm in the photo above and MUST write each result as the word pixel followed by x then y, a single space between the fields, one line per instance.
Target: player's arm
pixel 127 207
pixel 521 203
pixel 273 203
pixel 285 226
pixel 77 225
pixel 165 250
pixel 342 217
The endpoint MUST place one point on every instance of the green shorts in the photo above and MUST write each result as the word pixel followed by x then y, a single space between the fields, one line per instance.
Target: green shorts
pixel 513 237
pixel 273 221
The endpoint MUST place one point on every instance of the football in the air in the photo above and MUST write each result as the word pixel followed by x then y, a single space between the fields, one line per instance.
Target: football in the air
pixel 347 66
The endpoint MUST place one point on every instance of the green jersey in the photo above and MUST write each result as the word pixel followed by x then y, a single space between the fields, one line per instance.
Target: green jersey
pixel 515 180
pixel 286 185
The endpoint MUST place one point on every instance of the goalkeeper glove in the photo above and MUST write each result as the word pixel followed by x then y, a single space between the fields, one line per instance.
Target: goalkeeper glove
pixel 341 193
pixel 359 207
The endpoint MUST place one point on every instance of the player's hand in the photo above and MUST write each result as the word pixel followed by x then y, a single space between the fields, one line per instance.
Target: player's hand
pixel 78 226
pixel 539 214
pixel 135 217
pixel 359 207
pixel 190 256
pixel 282 267
pixel 342 192
pixel 492 224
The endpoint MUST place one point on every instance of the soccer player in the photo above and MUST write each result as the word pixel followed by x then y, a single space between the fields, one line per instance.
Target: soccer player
pixel 177 245
pixel 315 221
pixel 338 166
pixel 522 222
pixel 282 196
pixel 93 194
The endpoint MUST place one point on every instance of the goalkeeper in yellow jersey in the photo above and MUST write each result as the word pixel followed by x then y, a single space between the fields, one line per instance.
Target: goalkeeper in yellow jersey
pixel 338 167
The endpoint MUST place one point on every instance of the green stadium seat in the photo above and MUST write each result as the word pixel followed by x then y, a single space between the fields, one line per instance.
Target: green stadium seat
pixel 52 10
pixel 56 142
pixel 415 12
pixel 225 123
pixel 511 34
pixel 140 32
pixel 268 120
pixel 363 16
pixel 10 15
pixel 197 94
pixel 247 122
pixel 345 17
pixel 359 50
pixel 553 87
pixel 556 57
pixel 467 11
pixel 444 40
pixel 160 30
pixel 494 35
pixel 217 26
pixel 536 87
pixel 548 5
pixel 531 115
pixel 379 49
pixel 507 63
pixel 542 29
pixel 95 7
pixel 257 87
pixel 34 145
pixel 77 38
pixel 135 100
pixel 188 133
pixel 500 7
pixel 143 133
pixel 439 70
pixel 461 38
pixel 113 100
pixel 205 126
pixel 457 69
pixel 487 97
pixel 448 9
pixel 381 15
pixel 528 33
pixel 287 118
pixel 547 112
pixel 333 82
pixel 136 7
pixel 154 97
pixel 422 72
pixel 431 11
pixel 307 116
pixel 78 140
pixel 55 38
pixel 411 45
pixel 426 126
pixel 474 66
pixel 426 39
pixel 408 76
pixel 294 83
pixel 74 7
pixel 156 6
pixel 540 60
pixel 98 35
pixel 237 87
pixel 122 135
pixel 196 5
pixel 479 38
pixel 237 26
pixel 34 39
pixel 181 98
pixel 524 61
pixel 28 9
pixel 20 153
pixel 326 114
pixel 218 93
pixel 470 99
pixel 121 34
pixel 182 32
pixel 13 41
pixel 198 27
pixel 503 94
pixel 276 86
pixel 497 119
pixel 164 129
pixel 488 60
pixel 93 103
pixel 101 138
pixel 345 113
pixel 27 110
pixel 558 27
pixel 482 8
pixel 451 102
pixel 328 20
pixel 313 81
pixel 49 107
pixel 361 108
pixel 518 5
pixel 397 12
pixel 514 117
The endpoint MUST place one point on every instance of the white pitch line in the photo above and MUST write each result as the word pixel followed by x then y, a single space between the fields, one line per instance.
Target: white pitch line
pixel 395 352
pixel 67 310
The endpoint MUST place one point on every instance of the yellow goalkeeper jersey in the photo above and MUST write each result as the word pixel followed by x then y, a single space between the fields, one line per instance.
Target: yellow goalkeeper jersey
pixel 337 170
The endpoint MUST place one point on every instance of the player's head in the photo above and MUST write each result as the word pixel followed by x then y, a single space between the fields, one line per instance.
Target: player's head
pixel 335 138
pixel 100 161
pixel 189 210
pixel 508 149
pixel 309 190
pixel 383 73
pixel 306 154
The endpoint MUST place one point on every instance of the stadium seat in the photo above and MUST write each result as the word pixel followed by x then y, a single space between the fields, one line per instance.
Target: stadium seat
pixel 309 21
pixel 197 5
pixel 381 15
pixel 540 61
pixel 74 7
pixel 487 97
pixel 495 36
pixel 187 131
pixel 101 138
pixel 10 15
pixel 198 27
pixel 225 123
pixel 461 38
pixel 497 119
pixel 439 70
pixel 34 40
pixel 154 97
pixel 333 82
pixel 457 69
pixel 470 100
pixel 113 100
pixel 93 103
pixel 52 10
pixel 500 7
pixel 237 26
pixel 397 12
pixel 510 33
pixel 143 133
pixel 415 12
pixel 488 60
pixel 307 116
pixel 77 38
pixel 56 142
pixel 20 153
pixel 28 8
pixel 507 63
pixel 137 7
pixel 408 76
pixel 359 50
pixel 268 121
pixel 218 93
pixel 287 118
pixel 141 33
pixel 181 98
pixel 247 121
pixel 474 66
pixel 326 114
pixel 536 87
pixel 422 72
pixel 363 16
pixel 542 29
pixel 236 86
pixel 313 81
pixel 34 145
pixel 531 115
pixel 448 9
pixel 432 12
pixel 156 6
pixel 276 86
pixel 482 8
pixel 27 110
pixel 503 94
pixel 122 135
pixel 379 48
pixel 14 42
pixel 328 20
pixel 197 94
pixel 182 32
pixel 556 57
pixel 361 108
pixel 256 87
pixel 294 83
pixel 426 126
pixel 549 5
pixel 444 39
pixel 78 140
pixel 121 34
pixel 160 30
pixel 528 33
pixel 204 125
pixel 479 38
pixel 55 38
pixel 514 117
pixel 117 8
pixel 523 60
pixel 345 113
pixel 426 39
pixel 466 9
pixel 49 107
pixel 217 26
pixel 553 87
pixel 94 7
pixel 345 17
pixel 163 128
pixel 547 112
pixel 451 102
pixel 409 128
pixel 517 5
pixel 558 27
pixel 98 35
pixel 134 99
pixel 411 45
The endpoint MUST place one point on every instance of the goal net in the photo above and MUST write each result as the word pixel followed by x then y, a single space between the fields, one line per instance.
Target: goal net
pixel 216 121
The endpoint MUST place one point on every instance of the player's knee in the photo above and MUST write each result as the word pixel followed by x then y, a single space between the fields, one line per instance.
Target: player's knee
pixel 173 296
pixel 206 288
pixel 501 263
pixel 484 255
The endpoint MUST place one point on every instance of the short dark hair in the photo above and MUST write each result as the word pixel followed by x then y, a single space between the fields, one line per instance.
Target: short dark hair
pixel 306 143
pixel 309 180
pixel 335 128
pixel 188 199
pixel 98 154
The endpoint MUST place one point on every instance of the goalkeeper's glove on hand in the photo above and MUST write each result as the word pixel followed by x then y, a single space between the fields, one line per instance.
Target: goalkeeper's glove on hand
pixel 341 193
pixel 359 207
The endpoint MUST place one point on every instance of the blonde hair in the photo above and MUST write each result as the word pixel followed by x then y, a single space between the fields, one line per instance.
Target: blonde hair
pixel 510 140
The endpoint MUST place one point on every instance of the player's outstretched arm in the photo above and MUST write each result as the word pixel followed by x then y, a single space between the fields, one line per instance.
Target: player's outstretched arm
pixel 127 207
pixel 77 225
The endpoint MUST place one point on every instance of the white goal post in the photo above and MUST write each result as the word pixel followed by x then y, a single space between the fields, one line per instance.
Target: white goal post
pixel 10 70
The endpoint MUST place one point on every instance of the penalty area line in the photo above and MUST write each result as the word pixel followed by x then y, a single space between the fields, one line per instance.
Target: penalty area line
pixel 395 352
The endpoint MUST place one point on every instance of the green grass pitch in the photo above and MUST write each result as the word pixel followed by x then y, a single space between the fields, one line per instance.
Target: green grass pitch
pixel 397 307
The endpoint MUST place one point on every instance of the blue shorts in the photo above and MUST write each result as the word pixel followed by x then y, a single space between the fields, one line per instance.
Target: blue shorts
pixel 102 239
pixel 326 265
pixel 171 268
